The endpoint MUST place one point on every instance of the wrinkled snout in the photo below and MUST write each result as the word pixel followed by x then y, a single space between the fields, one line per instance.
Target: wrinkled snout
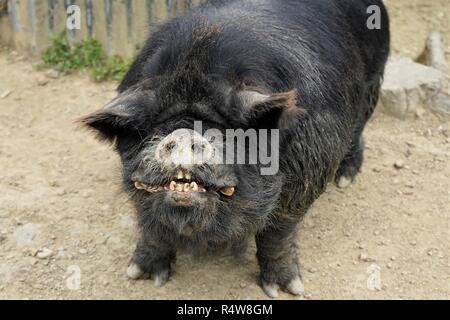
pixel 186 148
pixel 186 167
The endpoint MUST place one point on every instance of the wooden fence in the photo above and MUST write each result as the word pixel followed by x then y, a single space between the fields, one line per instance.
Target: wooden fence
pixel 120 25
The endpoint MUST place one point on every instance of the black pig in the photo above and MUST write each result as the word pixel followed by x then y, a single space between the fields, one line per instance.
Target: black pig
pixel 311 69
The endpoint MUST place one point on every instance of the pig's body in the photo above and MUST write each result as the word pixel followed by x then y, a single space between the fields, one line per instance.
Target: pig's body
pixel 319 68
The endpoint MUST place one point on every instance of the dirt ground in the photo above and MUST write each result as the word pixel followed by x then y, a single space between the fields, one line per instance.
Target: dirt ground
pixel 413 20
pixel 62 212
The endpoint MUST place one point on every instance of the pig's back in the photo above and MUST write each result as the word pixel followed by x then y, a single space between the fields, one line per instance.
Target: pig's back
pixel 322 48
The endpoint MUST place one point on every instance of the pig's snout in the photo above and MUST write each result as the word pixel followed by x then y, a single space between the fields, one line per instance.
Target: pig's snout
pixel 185 147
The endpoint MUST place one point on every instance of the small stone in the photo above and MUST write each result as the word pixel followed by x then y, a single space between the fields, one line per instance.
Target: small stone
pixel 86 194
pixel 365 258
pixel 60 192
pixel 419 113
pixel 106 207
pixel 399 164
pixel 53 74
pixel 389 265
pixel 42 82
pixel 44 253
pixel 413 243
pixel 54 184
pixel 393 258
pixel 5 94
pixel 427 133
pixel 308 296
pixel 83 251
pixel 312 270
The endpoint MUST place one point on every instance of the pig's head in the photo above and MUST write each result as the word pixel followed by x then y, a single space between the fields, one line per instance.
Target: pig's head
pixel 179 177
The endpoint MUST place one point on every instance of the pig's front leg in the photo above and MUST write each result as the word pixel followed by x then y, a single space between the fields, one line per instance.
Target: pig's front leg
pixel 278 261
pixel 152 258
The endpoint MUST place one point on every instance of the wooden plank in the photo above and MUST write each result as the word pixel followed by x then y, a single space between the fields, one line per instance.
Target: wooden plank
pixel 100 30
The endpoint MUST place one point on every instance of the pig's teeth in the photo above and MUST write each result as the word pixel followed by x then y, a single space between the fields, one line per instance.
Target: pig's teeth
pixel 143 186
pixel 187 187
pixel 153 189
pixel 140 186
pixel 180 187
pixel 173 186
pixel 201 189
pixel 194 186
pixel 228 191
pixel 180 175
pixel 188 176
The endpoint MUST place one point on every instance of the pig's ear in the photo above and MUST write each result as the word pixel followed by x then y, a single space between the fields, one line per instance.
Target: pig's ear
pixel 278 106
pixel 109 121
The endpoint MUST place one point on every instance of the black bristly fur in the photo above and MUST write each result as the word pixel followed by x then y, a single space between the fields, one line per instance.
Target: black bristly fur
pixel 321 49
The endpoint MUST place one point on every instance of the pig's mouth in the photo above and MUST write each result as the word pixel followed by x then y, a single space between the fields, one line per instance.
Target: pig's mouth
pixel 183 184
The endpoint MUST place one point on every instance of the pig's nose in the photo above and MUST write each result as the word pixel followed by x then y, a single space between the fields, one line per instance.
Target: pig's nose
pixel 184 147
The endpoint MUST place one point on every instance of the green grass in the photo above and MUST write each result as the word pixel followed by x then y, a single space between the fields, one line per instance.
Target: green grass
pixel 87 55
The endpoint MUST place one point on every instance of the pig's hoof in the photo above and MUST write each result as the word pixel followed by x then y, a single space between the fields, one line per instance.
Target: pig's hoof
pixel 271 290
pixel 295 287
pixel 161 278
pixel 344 182
pixel 134 272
